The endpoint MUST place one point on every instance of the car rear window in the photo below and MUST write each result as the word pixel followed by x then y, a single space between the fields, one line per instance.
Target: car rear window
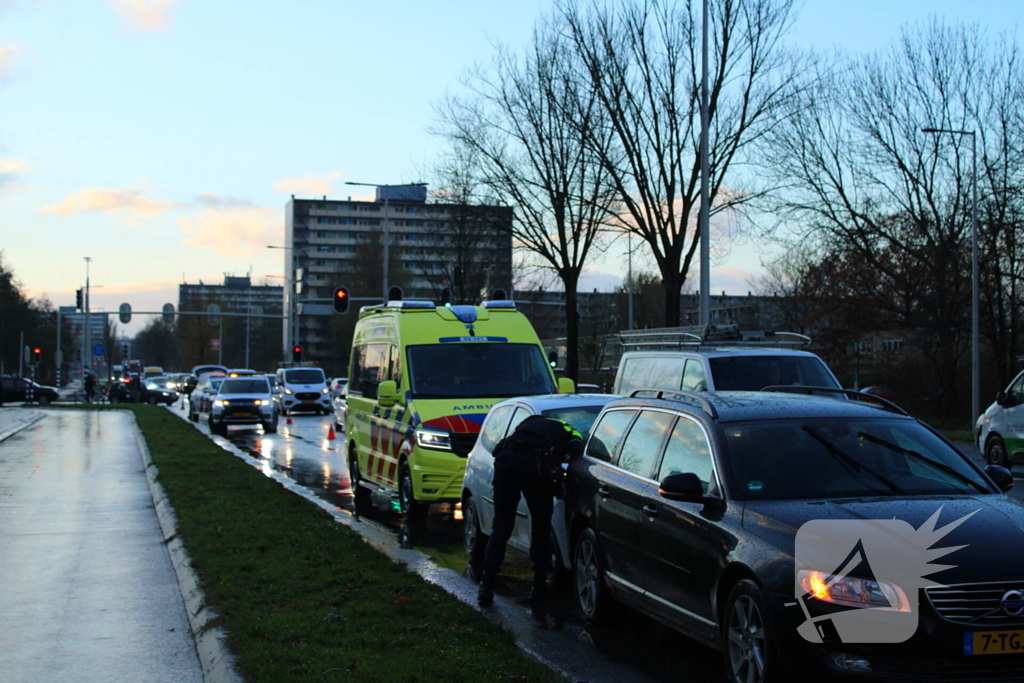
pixel 753 373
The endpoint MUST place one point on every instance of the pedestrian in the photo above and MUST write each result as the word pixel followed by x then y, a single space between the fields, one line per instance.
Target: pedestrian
pixel 90 386
pixel 529 463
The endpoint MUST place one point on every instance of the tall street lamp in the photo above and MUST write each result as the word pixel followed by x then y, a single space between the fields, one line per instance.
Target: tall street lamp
pixel 387 235
pixel 289 289
pixel 975 277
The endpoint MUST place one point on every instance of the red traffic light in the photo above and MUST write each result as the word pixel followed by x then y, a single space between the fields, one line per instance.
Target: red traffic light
pixel 341 300
pixel 296 353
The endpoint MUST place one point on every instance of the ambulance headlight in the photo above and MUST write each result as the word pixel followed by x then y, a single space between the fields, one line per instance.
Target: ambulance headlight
pixel 440 441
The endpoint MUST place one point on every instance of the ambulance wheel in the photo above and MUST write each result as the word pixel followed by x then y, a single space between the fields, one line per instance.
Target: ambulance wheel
pixel 358 490
pixel 406 498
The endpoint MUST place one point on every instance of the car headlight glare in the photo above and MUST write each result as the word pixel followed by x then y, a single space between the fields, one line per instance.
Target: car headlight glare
pixel 852 591
pixel 325 390
pixel 263 402
pixel 220 404
pixel 436 440
pixel 287 391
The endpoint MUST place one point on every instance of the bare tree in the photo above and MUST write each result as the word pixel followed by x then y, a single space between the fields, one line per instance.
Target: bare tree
pixel 524 123
pixel 641 61
pixel 864 181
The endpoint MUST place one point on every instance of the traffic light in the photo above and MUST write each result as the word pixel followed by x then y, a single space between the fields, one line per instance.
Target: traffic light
pixel 37 355
pixel 297 353
pixel 124 351
pixel 446 297
pixel 457 277
pixel 79 302
pixel 341 300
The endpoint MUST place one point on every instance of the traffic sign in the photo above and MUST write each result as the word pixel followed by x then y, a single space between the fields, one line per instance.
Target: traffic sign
pixel 168 310
pixel 125 314
pixel 99 350
pixel 215 344
pixel 214 310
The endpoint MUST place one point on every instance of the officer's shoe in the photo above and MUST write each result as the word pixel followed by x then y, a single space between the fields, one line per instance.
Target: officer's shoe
pixel 539 592
pixel 485 596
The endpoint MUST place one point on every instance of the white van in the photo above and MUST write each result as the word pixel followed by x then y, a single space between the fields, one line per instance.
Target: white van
pixel 304 388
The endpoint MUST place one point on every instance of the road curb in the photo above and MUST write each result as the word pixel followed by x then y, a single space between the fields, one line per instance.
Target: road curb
pixel 28 423
pixel 214 656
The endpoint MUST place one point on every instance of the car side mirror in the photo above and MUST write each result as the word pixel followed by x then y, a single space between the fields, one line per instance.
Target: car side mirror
pixel 1001 476
pixel 387 393
pixel 1001 398
pixel 685 487
pixel 566 386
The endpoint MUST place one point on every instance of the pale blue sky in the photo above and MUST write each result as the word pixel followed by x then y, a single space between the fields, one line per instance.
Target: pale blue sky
pixel 162 137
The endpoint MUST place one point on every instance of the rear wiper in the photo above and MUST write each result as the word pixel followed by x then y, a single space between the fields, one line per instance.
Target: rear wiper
pixel 851 463
pixel 941 466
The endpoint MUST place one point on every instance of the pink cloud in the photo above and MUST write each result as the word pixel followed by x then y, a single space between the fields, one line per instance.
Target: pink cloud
pixel 145 16
pixel 309 186
pixel 105 200
pixel 238 231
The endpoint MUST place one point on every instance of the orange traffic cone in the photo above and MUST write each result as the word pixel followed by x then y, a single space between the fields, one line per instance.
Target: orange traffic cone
pixel 330 434
pixel 183 405
pixel 288 421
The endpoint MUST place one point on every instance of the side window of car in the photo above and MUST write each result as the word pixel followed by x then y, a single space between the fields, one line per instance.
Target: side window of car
pixel 1016 392
pixel 604 440
pixel 520 415
pixel 494 427
pixel 693 376
pixel 356 371
pixel 687 451
pixel 642 446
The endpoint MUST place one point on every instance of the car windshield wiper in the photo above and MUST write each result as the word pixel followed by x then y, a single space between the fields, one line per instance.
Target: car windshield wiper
pixel 940 466
pixel 850 462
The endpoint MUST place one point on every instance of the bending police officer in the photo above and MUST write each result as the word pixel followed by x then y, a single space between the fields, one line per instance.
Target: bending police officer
pixel 529 463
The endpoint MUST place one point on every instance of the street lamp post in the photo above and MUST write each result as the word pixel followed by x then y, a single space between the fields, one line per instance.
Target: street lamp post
pixel 975 276
pixel 86 333
pixel 387 234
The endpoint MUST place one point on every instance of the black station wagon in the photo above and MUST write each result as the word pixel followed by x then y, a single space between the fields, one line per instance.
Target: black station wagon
pixel 691 508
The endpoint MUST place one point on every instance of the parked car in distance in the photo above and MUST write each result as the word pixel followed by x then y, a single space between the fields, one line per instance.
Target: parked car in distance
pixel 201 399
pixel 477 486
pixel 22 388
pixel 337 385
pixel 243 401
pixel 687 507
pixel 149 391
pixel 999 432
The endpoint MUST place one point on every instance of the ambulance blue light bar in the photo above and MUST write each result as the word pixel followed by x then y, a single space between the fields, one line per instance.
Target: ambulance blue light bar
pixel 466 314
pixel 501 304
pixel 412 304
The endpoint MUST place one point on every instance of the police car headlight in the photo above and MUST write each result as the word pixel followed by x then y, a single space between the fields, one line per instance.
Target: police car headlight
pixel 440 441
pixel 221 404
pixel 853 592
pixel 288 391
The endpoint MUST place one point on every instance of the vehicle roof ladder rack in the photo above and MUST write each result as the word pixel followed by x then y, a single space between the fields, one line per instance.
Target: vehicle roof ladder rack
pixel 707 336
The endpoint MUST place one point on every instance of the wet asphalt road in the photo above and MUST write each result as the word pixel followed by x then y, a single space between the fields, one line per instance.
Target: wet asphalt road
pixel 88 592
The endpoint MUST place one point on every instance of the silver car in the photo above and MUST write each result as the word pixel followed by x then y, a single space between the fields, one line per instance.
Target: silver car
pixel 243 401
pixel 580 411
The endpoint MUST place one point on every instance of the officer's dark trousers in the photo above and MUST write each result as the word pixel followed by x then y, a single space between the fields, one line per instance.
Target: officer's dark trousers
pixel 516 473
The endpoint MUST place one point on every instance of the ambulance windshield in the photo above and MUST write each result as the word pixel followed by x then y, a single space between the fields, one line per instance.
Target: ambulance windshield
pixel 470 370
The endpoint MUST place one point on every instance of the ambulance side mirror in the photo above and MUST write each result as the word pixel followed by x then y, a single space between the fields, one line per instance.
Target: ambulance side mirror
pixel 387 393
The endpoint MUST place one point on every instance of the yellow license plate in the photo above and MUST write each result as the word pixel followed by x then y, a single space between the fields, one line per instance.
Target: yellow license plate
pixel 243 414
pixel 993 642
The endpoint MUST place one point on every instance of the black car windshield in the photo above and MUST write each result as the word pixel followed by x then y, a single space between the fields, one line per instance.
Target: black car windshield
pixel 245 386
pixel 304 376
pixel 845 458
pixel 487 370
pixel 753 373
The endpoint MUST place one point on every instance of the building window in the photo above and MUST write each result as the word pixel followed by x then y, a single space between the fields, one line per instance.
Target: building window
pixel 862 347
pixel 892 346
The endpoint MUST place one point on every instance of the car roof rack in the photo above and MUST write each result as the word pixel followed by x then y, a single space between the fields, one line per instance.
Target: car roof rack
pixel 707 336
pixel 679 396
pixel 871 399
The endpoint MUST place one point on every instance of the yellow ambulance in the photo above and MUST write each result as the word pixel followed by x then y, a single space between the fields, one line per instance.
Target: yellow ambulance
pixel 421 381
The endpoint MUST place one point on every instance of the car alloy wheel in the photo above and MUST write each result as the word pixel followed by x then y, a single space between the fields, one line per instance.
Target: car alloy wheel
pixel 995 452
pixel 473 539
pixel 588 575
pixel 406 498
pixel 748 655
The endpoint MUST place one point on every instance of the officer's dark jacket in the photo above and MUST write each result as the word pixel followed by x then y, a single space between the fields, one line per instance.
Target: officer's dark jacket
pixel 551 440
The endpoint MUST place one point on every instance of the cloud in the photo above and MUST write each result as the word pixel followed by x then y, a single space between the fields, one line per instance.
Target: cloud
pixel 145 16
pixel 731 279
pixel 105 200
pixel 212 200
pixel 7 54
pixel 238 231
pixel 310 185
pixel 11 170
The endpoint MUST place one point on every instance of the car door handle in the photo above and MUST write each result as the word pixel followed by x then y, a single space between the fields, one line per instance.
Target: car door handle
pixel 650 510
pixel 604 491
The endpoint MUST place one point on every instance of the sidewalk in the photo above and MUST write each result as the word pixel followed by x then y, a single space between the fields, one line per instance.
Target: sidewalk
pixel 14 419
pixel 89 593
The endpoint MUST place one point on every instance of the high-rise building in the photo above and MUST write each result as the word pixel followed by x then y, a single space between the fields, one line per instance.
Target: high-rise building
pixel 431 247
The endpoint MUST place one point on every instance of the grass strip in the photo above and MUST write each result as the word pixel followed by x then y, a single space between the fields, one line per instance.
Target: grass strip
pixel 304 598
